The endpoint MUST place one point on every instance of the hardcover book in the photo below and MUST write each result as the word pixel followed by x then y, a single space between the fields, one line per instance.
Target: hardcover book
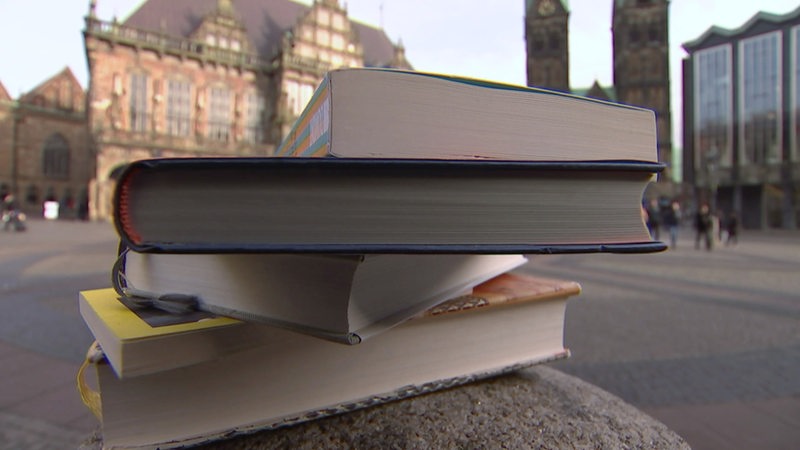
pixel 385 113
pixel 509 322
pixel 364 206
pixel 341 298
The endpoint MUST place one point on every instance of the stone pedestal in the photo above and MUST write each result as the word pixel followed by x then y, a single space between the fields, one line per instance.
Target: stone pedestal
pixel 538 407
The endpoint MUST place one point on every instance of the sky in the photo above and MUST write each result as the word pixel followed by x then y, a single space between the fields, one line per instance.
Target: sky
pixel 473 38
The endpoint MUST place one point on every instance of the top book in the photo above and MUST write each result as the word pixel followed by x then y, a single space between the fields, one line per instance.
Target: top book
pixel 385 113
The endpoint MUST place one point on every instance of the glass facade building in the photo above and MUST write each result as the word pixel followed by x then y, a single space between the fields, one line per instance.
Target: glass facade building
pixel 741 127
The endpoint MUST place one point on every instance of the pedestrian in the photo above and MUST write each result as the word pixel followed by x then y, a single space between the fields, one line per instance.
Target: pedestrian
pixel 732 228
pixel 653 219
pixel 671 217
pixel 704 228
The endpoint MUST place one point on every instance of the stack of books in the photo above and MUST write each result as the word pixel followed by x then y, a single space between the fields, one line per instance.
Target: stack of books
pixel 255 293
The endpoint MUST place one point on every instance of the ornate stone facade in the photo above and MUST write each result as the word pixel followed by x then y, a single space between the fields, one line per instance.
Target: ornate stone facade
pixel 183 78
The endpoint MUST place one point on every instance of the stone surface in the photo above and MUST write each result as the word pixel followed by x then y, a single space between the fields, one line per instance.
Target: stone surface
pixel 538 407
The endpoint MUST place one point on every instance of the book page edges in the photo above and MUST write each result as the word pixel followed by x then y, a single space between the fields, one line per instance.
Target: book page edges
pixel 506 288
pixel 397 394
pixel 125 325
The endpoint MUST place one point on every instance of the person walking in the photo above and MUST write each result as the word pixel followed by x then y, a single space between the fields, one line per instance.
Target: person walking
pixel 671 217
pixel 732 229
pixel 704 228
pixel 653 219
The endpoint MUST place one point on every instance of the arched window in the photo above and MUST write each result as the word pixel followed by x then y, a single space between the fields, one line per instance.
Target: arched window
pixel 55 157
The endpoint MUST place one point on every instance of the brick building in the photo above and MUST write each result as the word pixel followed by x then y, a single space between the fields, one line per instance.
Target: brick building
pixel 186 78
pixel 44 146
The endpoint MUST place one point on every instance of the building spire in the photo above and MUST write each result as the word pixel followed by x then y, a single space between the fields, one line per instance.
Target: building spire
pixel 225 7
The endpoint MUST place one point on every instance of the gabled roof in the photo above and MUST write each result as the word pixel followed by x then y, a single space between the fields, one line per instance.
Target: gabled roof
pixel 65 75
pixel 726 33
pixel 4 93
pixel 266 22
pixel 597 91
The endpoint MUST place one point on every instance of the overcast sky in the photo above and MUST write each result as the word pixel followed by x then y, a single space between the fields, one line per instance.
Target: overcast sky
pixel 474 38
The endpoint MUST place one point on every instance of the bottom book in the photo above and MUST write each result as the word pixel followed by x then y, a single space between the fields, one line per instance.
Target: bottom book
pixel 507 323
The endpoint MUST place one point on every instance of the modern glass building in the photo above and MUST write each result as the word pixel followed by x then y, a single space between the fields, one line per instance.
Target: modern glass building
pixel 741 120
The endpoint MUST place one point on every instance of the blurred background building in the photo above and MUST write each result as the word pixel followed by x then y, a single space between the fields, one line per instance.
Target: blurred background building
pixel 45 151
pixel 640 58
pixel 184 78
pixel 741 97
pixel 187 78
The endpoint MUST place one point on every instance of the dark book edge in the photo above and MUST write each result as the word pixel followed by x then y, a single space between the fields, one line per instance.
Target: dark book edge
pixel 488 249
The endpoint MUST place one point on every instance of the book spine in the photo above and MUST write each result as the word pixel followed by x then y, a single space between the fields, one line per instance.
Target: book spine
pixel 310 135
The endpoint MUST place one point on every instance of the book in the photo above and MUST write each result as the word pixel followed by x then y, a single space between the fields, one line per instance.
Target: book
pixel 342 298
pixel 505 324
pixel 364 206
pixel 385 113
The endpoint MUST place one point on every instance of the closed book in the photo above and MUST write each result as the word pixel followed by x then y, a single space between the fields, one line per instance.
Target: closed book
pixel 510 322
pixel 358 206
pixel 342 298
pixel 384 113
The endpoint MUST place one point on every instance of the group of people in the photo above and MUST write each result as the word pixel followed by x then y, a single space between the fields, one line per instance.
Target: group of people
pixel 705 223
pixel 663 213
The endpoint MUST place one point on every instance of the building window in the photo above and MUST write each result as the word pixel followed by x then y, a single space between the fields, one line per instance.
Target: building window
pixel 55 157
pixel 338 22
pixel 138 102
pixel 760 88
pixel 323 17
pixel 713 113
pixel 219 114
pixel 179 107
pixel 254 129
pixel 32 195
pixel 323 38
pixel 337 42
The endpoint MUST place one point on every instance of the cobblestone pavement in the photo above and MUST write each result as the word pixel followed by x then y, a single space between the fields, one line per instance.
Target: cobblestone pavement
pixel 43 339
pixel 706 342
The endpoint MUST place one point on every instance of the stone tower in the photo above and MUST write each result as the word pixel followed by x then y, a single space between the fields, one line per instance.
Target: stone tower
pixel 641 62
pixel 547 40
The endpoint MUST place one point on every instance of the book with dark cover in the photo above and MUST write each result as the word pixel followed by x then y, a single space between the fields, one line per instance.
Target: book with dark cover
pixel 363 206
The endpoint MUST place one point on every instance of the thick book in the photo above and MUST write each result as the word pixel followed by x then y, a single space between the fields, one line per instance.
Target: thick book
pixel 384 113
pixel 346 299
pixel 364 206
pixel 510 322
